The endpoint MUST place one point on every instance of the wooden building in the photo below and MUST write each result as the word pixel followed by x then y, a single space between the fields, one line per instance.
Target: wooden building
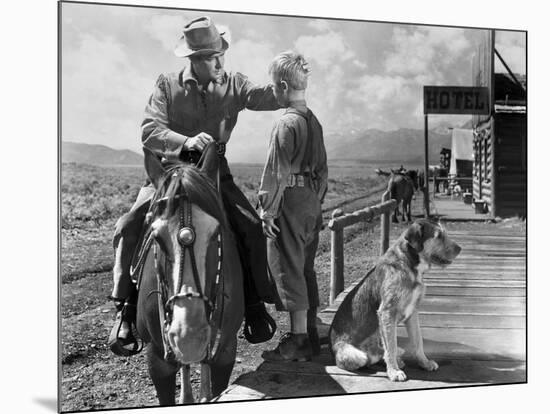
pixel 500 150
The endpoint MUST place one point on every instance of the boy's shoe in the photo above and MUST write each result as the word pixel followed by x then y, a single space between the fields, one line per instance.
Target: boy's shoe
pixel 291 347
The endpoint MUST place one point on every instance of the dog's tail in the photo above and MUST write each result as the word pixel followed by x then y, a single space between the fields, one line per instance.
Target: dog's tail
pixel 349 357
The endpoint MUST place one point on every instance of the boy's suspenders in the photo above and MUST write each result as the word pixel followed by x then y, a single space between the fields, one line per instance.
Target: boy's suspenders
pixel 306 167
pixel 306 161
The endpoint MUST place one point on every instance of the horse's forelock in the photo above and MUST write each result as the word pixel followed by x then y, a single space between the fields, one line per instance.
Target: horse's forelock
pixel 188 181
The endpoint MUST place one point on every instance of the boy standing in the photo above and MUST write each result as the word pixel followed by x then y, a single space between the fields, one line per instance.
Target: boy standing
pixel 293 186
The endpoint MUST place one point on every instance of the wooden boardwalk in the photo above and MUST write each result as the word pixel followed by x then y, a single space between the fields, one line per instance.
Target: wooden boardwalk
pixel 452 208
pixel 473 320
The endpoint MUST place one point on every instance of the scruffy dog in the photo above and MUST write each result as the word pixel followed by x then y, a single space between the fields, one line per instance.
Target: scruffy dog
pixel 364 328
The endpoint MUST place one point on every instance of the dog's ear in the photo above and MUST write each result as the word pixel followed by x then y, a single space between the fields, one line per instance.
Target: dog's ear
pixel 153 166
pixel 415 236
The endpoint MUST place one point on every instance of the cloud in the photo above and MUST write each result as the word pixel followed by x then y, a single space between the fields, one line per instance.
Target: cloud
pixel 325 49
pixel 512 48
pixel 167 29
pixel 384 102
pixel 321 25
pixel 103 94
pixel 424 50
pixel 360 64
pixel 251 58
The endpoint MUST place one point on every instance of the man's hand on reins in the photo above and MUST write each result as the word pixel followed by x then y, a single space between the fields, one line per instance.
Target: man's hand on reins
pixel 270 228
pixel 198 142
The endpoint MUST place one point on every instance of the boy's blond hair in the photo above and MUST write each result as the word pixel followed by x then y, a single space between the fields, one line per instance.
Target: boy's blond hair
pixel 292 68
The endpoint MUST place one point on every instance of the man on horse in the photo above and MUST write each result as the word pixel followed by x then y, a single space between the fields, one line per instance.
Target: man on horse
pixel 187 111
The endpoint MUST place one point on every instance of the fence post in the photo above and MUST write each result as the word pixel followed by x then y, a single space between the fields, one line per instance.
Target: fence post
pixel 385 226
pixel 337 259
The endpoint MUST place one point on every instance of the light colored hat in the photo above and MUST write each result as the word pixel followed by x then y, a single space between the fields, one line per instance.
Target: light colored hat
pixel 200 36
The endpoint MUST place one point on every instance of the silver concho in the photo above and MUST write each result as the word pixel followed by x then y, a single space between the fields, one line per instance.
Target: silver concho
pixel 186 236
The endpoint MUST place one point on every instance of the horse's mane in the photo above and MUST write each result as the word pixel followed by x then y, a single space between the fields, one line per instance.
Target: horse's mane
pixel 184 180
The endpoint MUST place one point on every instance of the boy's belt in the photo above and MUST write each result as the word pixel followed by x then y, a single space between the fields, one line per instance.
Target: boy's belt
pixel 298 180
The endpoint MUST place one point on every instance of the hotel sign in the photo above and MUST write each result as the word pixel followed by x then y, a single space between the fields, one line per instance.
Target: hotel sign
pixel 456 100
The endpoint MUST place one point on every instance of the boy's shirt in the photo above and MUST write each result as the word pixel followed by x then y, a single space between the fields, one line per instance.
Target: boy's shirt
pixel 287 149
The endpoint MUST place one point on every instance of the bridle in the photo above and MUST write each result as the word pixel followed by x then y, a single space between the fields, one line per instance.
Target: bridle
pixel 186 238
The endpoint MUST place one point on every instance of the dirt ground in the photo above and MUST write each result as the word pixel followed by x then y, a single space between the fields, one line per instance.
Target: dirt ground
pixel 94 379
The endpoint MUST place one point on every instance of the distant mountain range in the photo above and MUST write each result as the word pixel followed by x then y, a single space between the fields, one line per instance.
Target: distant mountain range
pixel 404 146
pixel 98 154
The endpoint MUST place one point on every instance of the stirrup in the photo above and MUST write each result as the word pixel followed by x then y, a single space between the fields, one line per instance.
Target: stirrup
pixel 259 326
pixel 131 345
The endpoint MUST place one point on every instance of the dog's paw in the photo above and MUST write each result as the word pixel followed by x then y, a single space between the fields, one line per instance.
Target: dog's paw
pixel 428 365
pixel 396 375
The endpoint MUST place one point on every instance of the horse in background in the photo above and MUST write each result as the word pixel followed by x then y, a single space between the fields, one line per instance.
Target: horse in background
pixel 414 175
pixel 190 301
pixel 402 188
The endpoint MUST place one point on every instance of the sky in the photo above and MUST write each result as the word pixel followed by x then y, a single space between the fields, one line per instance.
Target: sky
pixel 364 74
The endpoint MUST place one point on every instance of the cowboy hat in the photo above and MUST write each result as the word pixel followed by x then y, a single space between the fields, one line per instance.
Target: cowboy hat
pixel 200 36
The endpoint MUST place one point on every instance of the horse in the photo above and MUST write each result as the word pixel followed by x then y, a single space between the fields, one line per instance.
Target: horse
pixel 401 188
pixel 190 297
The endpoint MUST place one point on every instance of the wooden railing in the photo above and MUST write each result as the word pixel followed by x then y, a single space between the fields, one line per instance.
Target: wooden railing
pixel 337 225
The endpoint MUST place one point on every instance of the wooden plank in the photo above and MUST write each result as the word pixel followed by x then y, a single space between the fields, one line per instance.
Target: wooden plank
pixel 366 214
pixel 479 271
pixel 479 260
pixel 337 261
pixel 483 233
pixel 272 384
pixel 278 381
pixel 455 319
pixel 501 253
pixel 507 306
pixel 467 304
pixel 482 246
pixel 475 291
pixel 470 320
pixel 324 365
pixel 472 343
pixel 512 277
pixel 475 267
pixel 490 243
pixel 503 306
pixel 459 283
pixel 485 262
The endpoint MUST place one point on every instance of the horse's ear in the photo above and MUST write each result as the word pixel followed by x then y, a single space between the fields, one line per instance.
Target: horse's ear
pixel 153 166
pixel 209 161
